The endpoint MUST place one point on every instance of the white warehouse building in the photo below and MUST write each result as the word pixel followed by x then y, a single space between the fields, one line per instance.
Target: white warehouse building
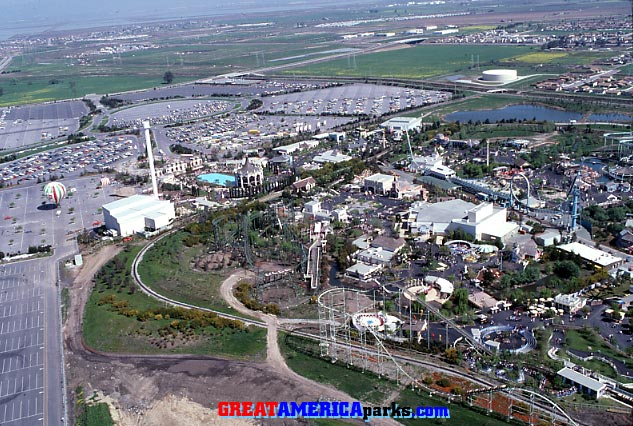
pixel 138 213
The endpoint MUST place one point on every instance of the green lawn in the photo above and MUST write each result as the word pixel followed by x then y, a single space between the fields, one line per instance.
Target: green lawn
pixel 107 330
pixel 422 61
pixel 166 268
pixel 365 387
pixel 98 415
pixel 459 415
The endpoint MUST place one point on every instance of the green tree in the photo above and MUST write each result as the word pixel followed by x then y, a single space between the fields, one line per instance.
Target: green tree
pixel 168 77
pixel 566 269
pixel 460 300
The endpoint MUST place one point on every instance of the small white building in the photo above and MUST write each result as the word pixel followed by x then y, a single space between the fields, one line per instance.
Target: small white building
pixel 570 303
pixel 586 384
pixel 363 271
pixel 312 207
pixel 486 223
pixel 332 156
pixel 340 215
pixel 381 184
pixel 596 257
pixel 138 213
pixel 440 171
pixel 402 124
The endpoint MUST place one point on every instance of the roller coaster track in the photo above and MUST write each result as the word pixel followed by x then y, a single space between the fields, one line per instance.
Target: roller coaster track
pixel 451 323
pixel 395 358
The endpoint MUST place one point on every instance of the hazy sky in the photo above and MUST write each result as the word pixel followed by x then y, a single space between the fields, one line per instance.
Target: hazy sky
pixel 34 16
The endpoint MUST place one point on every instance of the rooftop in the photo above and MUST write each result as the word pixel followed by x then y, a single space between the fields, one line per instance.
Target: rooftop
pixel 443 212
pixel 591 254
pixel 581 379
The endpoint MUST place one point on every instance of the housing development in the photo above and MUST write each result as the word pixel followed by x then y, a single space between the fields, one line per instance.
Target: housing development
pixel 334 214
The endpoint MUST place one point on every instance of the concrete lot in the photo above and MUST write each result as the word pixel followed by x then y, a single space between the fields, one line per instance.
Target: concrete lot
pixel 18 133
pixel 31 223
pixel 50 111
pixel 21 348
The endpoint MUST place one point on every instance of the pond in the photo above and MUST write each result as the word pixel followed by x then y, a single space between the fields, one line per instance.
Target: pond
pixel 529 112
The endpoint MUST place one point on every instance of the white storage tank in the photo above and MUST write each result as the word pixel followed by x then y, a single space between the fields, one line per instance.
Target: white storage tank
pixel 499 76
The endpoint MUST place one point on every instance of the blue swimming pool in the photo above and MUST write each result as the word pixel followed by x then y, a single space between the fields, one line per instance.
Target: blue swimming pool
pixel 218 179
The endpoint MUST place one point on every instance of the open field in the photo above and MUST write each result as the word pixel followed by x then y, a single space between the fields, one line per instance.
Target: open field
pixel 459 415
pixel 366 386
pixel 166 268
pixel 44 76
pixel 424 61
pixel 472 104
pixel 540 57
pixel 107 328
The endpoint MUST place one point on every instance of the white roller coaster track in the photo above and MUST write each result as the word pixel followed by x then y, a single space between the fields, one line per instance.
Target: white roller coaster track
pixel 555 411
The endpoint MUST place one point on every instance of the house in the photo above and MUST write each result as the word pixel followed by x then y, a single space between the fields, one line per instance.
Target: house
pixel 362 270
pixel 625 239
pixel 340 215
pixel 304 185
pixel 525 250
pixel 393 245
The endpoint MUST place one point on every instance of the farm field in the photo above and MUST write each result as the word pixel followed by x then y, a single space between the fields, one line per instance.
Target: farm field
pixel 43 76
pixel 424 61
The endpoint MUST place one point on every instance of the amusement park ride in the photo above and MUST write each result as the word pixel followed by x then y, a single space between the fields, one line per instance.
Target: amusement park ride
pixel 355 333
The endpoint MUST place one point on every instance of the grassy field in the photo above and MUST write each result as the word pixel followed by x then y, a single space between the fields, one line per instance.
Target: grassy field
pixel 107 330
pixel 473 104
pixel 365 387
pixel 166 268
pixel 98 415
pixel 577 339
pixel 459 415
pixel 43 75
pixel 414 62
pixel 540 57
pixel 369 388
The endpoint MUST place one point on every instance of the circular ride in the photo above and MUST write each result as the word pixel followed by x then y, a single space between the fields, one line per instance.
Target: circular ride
pixel 55 191
pixel 508 338
pixel 376 321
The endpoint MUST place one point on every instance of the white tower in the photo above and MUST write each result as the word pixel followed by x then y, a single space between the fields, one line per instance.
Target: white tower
pixel 150 158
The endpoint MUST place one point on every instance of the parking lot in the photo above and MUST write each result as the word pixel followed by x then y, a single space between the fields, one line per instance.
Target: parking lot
pixel 21 348
pixel 170 112
pixel 243 88
pixel 245 131
pixel 20 133
pixel 352 99
pixel 29 219
pixel 71 160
